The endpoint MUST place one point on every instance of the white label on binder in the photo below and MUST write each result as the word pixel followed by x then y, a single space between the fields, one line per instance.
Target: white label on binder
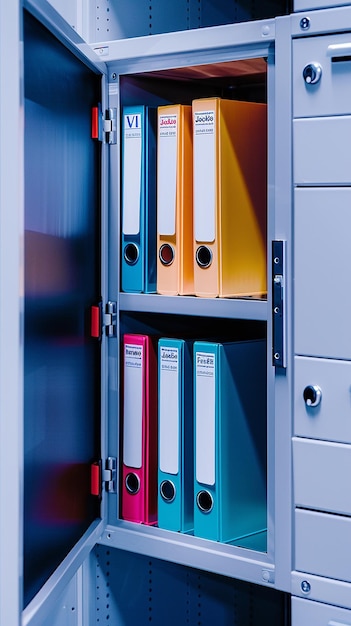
pixel 169 410
pixel 205 417
pixel 167 174
pixel 205 175
pixel 133 405
pixel 131 175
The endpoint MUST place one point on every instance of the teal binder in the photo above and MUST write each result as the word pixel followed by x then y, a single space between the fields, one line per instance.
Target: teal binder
pixel 230 439
pixel 175 428
pixel 138 263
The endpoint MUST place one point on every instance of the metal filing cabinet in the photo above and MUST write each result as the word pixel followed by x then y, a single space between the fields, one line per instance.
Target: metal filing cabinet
pixel 322 399
pixel 83 563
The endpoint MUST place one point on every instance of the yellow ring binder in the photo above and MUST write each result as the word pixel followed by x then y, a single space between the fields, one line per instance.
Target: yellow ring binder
pixel 203 256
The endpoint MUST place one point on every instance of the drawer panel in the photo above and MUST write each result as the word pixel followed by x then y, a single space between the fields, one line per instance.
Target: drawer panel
pixel 331 418
pixel 307 613
pixel 322 266
pixel 323 543
pixel 322 150
pixel 322 472
pixel 302 5
pixel 331 95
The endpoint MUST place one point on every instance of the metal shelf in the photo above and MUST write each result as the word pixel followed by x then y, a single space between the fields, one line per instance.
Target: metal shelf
pixel 245 309
pixel 224 559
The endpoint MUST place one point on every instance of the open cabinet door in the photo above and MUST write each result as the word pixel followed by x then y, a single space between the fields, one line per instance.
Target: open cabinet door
pixel 62 281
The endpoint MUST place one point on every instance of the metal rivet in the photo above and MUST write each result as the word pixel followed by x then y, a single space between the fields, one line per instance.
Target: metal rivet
pixel 305 586
pixel 305 23
pixel 114 76
pixel 276 260
pixel 276 356
pixel 266 575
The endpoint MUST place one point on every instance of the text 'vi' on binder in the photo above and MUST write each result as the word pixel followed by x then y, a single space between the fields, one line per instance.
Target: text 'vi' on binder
pixel 230 440
pixel 138 263
pixel 139 423
pixel 175 274
pixel 230 197
pixel 175 432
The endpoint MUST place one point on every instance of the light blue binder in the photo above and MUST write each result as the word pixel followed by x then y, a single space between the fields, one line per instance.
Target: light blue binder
pixel 230 439
pixel 175 428
pixel 138 263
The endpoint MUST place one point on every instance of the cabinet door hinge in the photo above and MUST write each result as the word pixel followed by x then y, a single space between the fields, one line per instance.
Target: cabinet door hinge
pixel 104 125
pixel 110 319
pixel 279 303
pixel 110 126
pixel 103 321
pixel 104 476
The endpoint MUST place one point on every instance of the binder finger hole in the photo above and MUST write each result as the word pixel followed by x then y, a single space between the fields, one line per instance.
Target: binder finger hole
pixel 167 490
pixel 203 256
pixel 131 253
pixel 166 254
pixel 132 483
pixel 204 501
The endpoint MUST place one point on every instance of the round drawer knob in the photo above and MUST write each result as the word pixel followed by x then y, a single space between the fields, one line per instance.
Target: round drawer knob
pixel 312 395
pixel 312 73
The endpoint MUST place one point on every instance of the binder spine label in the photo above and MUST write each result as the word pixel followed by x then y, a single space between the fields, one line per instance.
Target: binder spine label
pixel 205 417
pixel 167 173
pixel 169 410
pixel 133 405
pixel 205 175
pixel 132 167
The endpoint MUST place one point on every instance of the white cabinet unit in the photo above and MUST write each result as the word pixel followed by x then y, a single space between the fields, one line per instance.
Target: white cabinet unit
pixel 78 558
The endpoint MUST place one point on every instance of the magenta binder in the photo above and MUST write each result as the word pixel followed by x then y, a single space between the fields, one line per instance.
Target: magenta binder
pixel 139 424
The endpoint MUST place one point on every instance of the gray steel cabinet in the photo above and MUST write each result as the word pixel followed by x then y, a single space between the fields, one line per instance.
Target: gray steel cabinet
pixel 99 568
pixel 322 400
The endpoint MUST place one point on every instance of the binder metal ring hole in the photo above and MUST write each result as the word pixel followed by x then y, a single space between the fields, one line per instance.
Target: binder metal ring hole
pixel 132 483
pixel 204 501
pixel 203 256
pixel 131 253
pixel 166 254
pixel 167 490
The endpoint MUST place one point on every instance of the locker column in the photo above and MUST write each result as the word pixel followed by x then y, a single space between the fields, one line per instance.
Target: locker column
pixel 322 258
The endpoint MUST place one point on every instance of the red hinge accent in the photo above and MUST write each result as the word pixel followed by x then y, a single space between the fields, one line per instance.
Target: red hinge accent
pixel 95 479
pixel 95 321
pixel 96 123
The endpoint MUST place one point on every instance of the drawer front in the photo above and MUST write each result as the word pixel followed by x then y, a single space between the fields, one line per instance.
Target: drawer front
pixel 330 420
pixel 323 544
pixel 322 150
pixel 331 95
pixel 323 272
pixel 321 475
pixel 307 613
pixel 302 5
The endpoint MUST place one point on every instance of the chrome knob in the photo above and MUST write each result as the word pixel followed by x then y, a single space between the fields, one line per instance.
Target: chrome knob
pixel 312 73
pixel 312 395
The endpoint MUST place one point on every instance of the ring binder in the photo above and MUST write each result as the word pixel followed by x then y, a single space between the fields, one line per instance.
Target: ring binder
pixel 230 189
pixel 230 440
pixel 139 422
pixel 175 429
pixel 175 274
pixel 138 263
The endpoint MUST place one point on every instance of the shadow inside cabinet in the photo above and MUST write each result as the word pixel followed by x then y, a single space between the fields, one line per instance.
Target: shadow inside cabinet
pixel 192 327
pixel 133 589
